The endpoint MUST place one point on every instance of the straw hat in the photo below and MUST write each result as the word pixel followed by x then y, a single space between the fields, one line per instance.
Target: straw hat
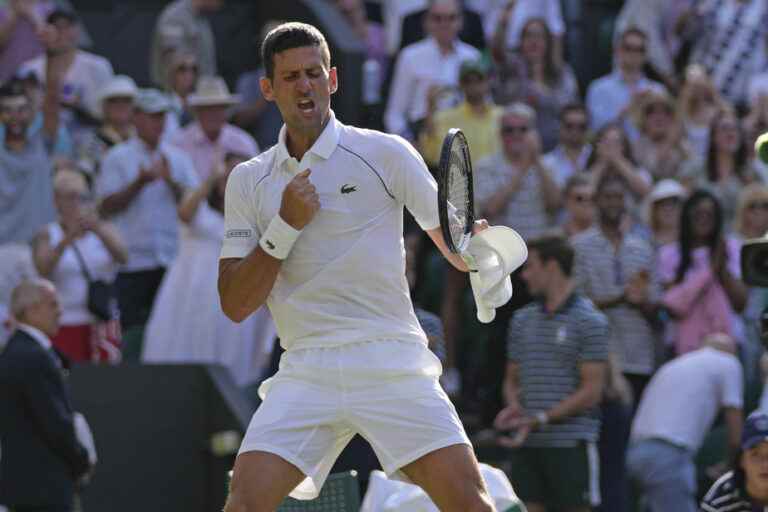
pixel 212 91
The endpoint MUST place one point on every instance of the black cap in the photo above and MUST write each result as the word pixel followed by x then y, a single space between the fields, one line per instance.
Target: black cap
pixel 61 13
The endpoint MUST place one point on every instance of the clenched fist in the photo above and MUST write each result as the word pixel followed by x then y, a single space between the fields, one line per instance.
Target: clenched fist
pixel 300 201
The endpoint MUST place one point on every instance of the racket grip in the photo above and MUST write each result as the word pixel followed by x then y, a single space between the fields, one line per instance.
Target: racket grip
pixel 484 313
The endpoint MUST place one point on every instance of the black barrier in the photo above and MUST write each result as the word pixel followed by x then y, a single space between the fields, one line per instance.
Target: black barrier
pixel 166 435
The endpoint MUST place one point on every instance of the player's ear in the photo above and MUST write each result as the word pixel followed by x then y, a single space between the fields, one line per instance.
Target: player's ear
pixel 333 79
pixel 266 89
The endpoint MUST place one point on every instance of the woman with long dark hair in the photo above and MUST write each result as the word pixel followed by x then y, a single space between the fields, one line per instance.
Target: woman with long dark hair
pixel 702 275
pixel 533 74
pixel 745 487
pixel 725 170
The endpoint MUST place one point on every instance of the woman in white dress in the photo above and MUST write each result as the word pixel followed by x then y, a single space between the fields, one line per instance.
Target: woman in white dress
pixel 187 324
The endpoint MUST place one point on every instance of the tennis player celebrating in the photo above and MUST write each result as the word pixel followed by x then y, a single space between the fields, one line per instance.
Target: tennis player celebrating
pixel 314 229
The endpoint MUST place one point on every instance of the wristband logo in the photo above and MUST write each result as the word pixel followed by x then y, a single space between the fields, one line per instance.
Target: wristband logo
pixel 270 245
pixel 347 188
pixel 238 233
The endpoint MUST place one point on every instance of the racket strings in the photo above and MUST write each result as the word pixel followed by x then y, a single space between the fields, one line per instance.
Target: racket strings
pixel 458 195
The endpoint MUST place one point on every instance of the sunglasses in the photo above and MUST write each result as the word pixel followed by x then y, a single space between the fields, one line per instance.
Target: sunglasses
pixel 761 205
pixel 582 198
pixel 575 126
pixel 444 18
pixel 650 109
pixel 511 129
pixel 633 48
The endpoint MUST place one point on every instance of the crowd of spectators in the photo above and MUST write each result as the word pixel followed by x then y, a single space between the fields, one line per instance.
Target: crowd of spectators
pixel 635 190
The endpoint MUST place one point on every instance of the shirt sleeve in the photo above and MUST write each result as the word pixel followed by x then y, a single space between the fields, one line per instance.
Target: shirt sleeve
pixel 111 178
pixel 414 186
pixel 514 335
pixel 184 171
pixel 241 233
pixel 732 391
pixel 594 337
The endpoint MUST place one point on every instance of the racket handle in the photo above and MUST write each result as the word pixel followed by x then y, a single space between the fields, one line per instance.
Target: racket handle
pixel 484 314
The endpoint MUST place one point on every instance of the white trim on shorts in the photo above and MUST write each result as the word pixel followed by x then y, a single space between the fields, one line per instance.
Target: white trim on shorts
pixel 593 463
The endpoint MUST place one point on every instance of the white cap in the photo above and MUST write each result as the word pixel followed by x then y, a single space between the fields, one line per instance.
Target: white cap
pixel 119 86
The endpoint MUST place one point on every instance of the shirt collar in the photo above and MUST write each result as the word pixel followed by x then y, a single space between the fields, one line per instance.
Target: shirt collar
pixel 323 147
pixel 37 334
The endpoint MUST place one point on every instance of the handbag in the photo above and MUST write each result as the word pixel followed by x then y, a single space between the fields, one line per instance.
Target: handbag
pixel 102 295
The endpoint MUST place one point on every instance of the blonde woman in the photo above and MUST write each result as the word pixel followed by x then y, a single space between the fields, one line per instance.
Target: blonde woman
pixel 77 247
pixel 661 147
pixel 698 104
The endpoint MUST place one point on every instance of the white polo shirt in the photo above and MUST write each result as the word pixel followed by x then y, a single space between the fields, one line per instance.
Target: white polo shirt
pixel 344 280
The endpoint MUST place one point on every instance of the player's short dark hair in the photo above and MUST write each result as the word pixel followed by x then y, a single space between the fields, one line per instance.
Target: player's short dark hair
pixel 288 36
pixel 554 247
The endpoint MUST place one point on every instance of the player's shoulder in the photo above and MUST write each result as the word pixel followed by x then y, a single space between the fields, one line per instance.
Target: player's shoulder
pixel 373 144
pixel 251 173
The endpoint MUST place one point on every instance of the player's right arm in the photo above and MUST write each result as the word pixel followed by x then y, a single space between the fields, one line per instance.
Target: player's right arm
pixel 245 283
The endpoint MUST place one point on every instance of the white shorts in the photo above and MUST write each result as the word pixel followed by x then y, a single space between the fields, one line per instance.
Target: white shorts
pixel 387 391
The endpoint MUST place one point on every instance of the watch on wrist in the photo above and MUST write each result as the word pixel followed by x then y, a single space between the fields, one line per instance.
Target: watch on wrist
pixel 541 418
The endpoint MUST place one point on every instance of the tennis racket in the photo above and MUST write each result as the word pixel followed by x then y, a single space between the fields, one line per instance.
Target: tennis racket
pixel 456 202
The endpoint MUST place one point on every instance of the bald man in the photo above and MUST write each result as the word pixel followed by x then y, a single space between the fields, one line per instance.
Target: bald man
pixel 41 457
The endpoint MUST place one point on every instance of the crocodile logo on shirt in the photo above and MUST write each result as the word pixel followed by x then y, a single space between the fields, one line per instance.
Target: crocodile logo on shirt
pixel 270 245
pixel 347 188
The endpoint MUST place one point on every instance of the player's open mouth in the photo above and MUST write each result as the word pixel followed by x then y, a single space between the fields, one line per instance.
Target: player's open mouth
pixel 306 106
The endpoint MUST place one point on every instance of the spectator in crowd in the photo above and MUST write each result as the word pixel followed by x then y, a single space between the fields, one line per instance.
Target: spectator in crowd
pixel 116 115
pixel 513 186
pixel 610 98
pixel 472 31
pixel 725 170
pixel 21 23
pixel 745 487
pixel 186 317
pixel 506 22
pixel 579 205
pixel 16 265
pixel 259 117
pixel 662 212
pixel 43 461
pixel 752 212
pixel 729 41
pixel 676 411
pixel 572 152
pixel 661 147
pixel 181 82
pixel 613 155
pixel 140 183
pixel 372 35
pixel 429 64
pixel 557 353
pixel 182 26
pixel 533 74
pixel 84 74
pixel 210 137
pixel 649 16
pixel 702 275
pixel 616 269
pixel 699 103
pixel 477 116
pixel 26 170
pixel 71 252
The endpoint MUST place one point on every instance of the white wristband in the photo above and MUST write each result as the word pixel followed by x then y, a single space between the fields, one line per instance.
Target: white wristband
pixel 279 238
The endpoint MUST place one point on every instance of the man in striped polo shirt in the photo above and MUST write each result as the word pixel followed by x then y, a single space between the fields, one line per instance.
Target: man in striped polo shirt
pixel 557 350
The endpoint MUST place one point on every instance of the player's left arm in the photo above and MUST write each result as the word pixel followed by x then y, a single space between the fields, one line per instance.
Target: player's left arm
pixel 436 235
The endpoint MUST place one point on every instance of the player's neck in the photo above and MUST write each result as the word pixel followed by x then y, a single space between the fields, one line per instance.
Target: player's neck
pixel 298 141
pixel 560 289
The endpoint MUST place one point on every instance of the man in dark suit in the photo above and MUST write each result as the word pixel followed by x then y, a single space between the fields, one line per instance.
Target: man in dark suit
pixel 41 459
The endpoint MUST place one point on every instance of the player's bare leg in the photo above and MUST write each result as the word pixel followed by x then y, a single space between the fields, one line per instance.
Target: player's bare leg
pixel 260 482
pixel 451 477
